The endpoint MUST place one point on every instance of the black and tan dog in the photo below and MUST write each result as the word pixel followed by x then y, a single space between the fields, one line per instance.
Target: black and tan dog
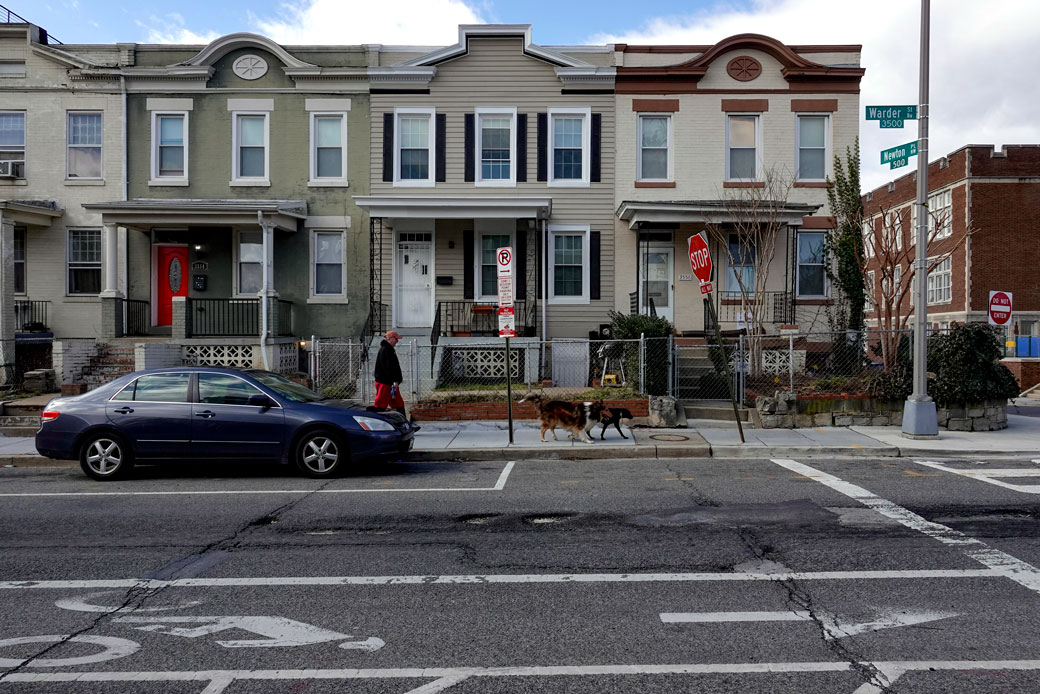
pixel 571 416
pixel 608 416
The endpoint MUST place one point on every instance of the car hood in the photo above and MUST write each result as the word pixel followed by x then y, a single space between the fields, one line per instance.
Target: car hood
pixel 389 415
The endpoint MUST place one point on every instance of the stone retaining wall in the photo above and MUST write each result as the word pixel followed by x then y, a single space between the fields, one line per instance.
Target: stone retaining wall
pixel 458 411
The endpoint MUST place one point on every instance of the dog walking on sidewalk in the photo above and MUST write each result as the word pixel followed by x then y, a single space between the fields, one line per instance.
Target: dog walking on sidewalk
pixel 571 416
pixel 608 416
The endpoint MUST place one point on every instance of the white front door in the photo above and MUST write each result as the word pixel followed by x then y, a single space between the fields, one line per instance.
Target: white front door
pixel 414 277
pixel 655 268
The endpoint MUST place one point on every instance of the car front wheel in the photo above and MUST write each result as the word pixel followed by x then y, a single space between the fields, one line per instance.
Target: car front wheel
pixel 321 454
pixel 106 457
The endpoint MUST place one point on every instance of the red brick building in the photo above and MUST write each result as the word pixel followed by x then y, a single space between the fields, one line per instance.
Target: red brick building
pixel 996 194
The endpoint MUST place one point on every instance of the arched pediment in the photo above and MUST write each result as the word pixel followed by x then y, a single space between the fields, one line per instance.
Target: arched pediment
pixel 784 55
pixel 218 48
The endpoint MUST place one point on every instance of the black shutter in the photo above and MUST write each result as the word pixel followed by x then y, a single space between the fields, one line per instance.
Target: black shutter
pixel 467 264
pixel 594 266
pixel 520 256
pixel 470 136
pixel 521 148
pixel 442 120
pixel 388 147
pixel 543 133
pixel 597 133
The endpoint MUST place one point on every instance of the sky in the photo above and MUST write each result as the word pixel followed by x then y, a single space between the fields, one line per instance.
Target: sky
pixel 983 64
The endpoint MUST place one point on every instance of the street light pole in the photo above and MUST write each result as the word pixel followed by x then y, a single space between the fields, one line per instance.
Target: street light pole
pixel 919 416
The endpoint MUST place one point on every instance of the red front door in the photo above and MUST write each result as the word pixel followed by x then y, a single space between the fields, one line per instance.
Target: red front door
pixel 172 280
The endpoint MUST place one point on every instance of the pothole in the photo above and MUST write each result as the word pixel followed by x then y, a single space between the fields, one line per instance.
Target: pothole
pixel 479 519
pixel 548 519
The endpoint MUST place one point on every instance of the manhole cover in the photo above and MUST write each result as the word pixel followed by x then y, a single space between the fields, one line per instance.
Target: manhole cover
pixel 669 437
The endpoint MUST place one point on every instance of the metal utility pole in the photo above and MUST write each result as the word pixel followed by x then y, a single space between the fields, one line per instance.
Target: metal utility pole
pixel 919 416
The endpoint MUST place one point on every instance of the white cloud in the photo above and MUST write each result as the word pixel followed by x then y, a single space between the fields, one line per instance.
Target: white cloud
pixel 983 63
pixel 409 22
pixel 170 28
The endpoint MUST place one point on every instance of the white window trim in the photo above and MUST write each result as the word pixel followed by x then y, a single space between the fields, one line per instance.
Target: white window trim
pixel 327 181
pixel 158 180
pixel 431 179
pixel 235 293
pixel 25 141
pixel 798 145
pixel 670 174
pixel 341 297
pixel 478 237
pixel 236 179
pixel 68 261
pixel 69 146
pixel 586 147
pixel 494 182
pixel 936 204
pixel 798 275
pixel 869 307
pixel 935 271
pixel 569 230
pixel 758 145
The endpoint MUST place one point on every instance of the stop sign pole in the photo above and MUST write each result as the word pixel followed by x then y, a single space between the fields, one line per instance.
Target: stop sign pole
pixel 700 263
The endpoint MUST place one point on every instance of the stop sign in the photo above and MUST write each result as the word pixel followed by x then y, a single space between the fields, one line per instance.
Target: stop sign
pixel 700 258
pixel 999 308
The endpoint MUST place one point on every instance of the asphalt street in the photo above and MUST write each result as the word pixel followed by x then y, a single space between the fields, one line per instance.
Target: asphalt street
pixel 783 575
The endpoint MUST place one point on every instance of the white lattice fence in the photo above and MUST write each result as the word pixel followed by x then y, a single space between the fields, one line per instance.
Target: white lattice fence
pixel 230 356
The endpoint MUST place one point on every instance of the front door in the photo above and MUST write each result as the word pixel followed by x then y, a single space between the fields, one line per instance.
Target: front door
pixel 655 268
pixel 414 277
pixel 171 280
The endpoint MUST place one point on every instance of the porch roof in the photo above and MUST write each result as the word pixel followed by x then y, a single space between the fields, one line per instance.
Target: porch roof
pixel 457 207
pixel 148 212
pixel 638 212
pixel 31 212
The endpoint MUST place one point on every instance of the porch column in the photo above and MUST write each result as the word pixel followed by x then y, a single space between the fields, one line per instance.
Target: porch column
pixel 7 319
pixel 111 297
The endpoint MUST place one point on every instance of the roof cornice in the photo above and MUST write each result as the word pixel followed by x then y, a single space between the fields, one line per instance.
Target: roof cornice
pixel 218 48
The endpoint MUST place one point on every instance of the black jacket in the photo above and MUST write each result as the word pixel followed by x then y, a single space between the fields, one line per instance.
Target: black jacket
pixel 388 369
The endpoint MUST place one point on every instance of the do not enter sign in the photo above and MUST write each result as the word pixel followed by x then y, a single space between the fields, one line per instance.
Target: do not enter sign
pixel 1000 308
pixel 700 259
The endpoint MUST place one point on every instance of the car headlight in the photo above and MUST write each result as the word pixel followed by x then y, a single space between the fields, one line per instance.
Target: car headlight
pixel 373 424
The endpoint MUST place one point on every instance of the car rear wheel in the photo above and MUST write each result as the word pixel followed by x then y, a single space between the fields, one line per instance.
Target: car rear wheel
pixel 106 457
pixel 321 454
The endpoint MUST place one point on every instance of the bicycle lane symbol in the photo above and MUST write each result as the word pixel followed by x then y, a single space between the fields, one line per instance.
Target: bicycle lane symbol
pixel 278 632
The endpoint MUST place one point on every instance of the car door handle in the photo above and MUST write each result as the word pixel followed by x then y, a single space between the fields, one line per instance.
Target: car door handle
pixel 206 414
pixel 123 410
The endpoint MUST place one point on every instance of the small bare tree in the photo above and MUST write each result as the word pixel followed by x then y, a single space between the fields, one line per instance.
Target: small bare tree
pixel 888 269
pixel 754 217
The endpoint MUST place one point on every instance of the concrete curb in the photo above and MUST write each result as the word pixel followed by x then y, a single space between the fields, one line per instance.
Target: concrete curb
pixel 33 460
pixel 573 453
pixel 802 451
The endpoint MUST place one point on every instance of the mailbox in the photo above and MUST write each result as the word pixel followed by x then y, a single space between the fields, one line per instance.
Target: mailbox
pixel 198 283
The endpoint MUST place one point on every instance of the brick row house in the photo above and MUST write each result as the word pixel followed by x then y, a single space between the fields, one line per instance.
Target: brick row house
pixel 223 203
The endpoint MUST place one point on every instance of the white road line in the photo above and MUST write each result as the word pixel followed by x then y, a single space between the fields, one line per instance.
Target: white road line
pixel 714 617
pixel 438 685
pixel 833 626
pixel 1011 567
pixel 499 486
pixel 988 475
pixel 501 579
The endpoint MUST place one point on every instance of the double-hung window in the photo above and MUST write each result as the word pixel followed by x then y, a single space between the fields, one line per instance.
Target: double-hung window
pixel 742 155
pixel 12 143
pixel 894 229
pixel 812 148
pixel 741 265
pixel 328 267
pixel 655 138
pixel 496 146
pixel 868 238
pixel 812 277
pixel 870 292
pixel 83 138
pixel 940 215
pixel 569 264
pixel 328 148
pixel 570 132
pixel 940 283
pixel 84 261
pixel 414 153
pixel 250 262
pixel 19 260
pixel 251 148
pixel 170 147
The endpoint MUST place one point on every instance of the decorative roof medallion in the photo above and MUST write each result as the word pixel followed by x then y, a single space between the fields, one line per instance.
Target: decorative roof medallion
pixel 744 69
pixel 250 67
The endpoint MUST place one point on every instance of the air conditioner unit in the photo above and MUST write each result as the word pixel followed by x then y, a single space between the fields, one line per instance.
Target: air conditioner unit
pixel 12 168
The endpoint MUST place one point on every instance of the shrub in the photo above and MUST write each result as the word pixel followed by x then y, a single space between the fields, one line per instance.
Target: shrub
pixel 631 327
pixel 967 367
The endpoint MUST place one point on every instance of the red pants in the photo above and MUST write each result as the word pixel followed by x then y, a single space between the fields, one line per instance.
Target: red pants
pixel 385 399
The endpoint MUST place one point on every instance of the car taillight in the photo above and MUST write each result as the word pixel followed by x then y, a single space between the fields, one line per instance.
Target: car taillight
pixel 49 415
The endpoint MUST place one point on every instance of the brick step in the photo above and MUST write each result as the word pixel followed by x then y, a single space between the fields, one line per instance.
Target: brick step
pixel 111 360
pixel 24 410
pixel 20 432
pixel 19 421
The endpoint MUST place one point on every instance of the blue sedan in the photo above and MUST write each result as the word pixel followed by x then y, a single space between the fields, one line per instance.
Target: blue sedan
pixel 209 413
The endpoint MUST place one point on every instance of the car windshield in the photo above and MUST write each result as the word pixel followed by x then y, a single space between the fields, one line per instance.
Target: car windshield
pixel 286 388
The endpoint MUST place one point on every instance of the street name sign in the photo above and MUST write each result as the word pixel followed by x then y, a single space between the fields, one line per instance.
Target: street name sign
pixel 902 152
pixel 1000 308
pixel 883 113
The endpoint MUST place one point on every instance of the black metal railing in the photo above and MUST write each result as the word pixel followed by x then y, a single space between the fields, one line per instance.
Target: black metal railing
pixel 378 318
pixel 30 315
pixel 138 316
pixel 480 318
pixel 224 317
pixel 633 303
pixel 777 307
pixel 285 318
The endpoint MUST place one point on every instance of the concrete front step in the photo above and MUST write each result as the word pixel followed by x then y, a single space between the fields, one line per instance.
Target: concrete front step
pixel 19 420
pixel 19 432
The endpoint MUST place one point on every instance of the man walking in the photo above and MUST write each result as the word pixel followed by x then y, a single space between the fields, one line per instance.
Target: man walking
pixel 388 375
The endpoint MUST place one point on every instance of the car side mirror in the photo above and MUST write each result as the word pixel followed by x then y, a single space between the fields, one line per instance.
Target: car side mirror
pixel 262 401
